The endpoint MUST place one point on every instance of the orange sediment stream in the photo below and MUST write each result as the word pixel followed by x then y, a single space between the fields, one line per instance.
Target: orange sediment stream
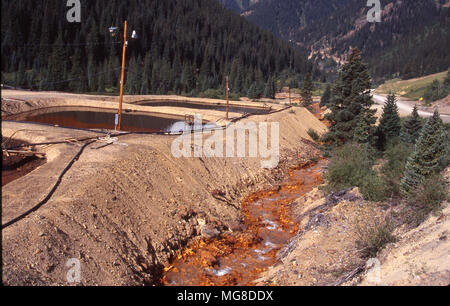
pixel 239 258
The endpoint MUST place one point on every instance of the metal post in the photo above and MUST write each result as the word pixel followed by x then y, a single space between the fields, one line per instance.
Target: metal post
pixel 123 71
pixel 227 96
pixel 290 101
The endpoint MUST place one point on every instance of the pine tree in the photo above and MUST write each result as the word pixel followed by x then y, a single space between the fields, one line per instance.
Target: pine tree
pixel 350 100
pixel 362 131
pixel 390 123
pixel 77 74
pixel 306 91
pixel 253 92
pixel 411 128
pixel 447 80
pixel 57 65
pixel 269 89
pixel 326 96
pixel 430 149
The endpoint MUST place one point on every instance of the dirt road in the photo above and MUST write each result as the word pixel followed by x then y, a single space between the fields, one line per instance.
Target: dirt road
pixel 406 107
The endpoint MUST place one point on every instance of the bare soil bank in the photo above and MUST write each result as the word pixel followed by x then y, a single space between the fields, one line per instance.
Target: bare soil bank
pixel 125 209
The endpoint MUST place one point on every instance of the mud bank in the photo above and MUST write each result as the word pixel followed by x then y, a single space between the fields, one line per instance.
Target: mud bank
pixel 238 258
pixel 126 209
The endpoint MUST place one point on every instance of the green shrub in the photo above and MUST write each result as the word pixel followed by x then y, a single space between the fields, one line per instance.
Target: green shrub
pixel 374 188
pixel 218 94
pixel 212 94
pixel 427 198
pixel 373 236
pixel 313 134
pixel 349 165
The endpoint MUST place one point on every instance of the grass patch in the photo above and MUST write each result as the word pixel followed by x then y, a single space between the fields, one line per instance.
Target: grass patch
pixel 313 134
pixel 412 89
pixel 373 235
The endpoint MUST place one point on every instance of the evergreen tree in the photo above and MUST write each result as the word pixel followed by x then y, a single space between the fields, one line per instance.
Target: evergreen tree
pixel 350 100
pixel 447 80
pixel 270 89
pixel 362 131
pixel 430 149
pixel 411 128
pixel 390 123
pixel 77 75
pixel 253 92
pixel 213 43
pixel 326 96
pixel 306 91
pixel 57 65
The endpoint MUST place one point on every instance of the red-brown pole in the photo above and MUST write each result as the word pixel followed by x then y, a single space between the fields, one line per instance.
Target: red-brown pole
pixel 227 97
pixel 290 101
pixel 123 71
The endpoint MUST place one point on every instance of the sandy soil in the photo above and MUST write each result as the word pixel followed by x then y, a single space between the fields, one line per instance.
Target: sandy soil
pixel 421 257
pixel 325 252
pixel 125 209
pixel 325 248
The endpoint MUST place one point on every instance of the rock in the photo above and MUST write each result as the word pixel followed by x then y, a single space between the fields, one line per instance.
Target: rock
pixel 208 258
pixel 235 226
pixel 201 222
pixel 209 232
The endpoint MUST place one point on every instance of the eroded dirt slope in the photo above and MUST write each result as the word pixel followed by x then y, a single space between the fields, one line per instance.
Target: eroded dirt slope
pixel 123 210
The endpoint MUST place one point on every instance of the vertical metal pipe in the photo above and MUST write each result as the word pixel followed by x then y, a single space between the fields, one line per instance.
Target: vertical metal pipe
pixel 123 71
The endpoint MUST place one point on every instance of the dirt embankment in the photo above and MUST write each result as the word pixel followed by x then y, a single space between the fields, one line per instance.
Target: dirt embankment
pixel 19 101
pixel 125 209
pixel 326 250
pixel 421 257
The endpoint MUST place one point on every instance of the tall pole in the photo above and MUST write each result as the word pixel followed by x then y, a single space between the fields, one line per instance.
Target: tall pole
pixel 290 101
pixel 123 71
pixel 227 96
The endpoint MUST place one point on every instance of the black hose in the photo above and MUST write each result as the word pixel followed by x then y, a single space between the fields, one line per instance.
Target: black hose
pixel 75 158
pixel 52 191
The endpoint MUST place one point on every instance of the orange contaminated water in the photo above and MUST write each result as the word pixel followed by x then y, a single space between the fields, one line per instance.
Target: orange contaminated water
pixel 239 258
pixel 318 113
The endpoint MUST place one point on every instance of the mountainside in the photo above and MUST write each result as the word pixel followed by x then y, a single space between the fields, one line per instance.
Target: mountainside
pixel 184 47
pixel 284 17
pixel 411 40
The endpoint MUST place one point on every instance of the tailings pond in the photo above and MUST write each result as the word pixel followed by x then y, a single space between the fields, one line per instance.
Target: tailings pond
pixel 16 165
pixel 239 258
pixel 96 118
pixel 209 106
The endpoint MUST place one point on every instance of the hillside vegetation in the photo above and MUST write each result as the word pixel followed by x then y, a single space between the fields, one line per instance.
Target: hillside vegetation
pixel 411 40
pixel 412 89
pixel 184 47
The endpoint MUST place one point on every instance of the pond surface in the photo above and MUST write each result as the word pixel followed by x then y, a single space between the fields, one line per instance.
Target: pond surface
pixel 15 166
pixel 211 106
pixel 95 118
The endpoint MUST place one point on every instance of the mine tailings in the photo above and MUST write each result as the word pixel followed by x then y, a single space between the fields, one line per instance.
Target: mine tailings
pixel 238 258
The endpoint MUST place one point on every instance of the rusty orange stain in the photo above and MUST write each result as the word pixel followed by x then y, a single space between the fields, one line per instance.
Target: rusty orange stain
pixel 239 258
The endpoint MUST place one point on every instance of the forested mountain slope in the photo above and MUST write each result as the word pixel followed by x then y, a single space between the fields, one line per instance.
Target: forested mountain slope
pixel 184 47
pixel 412 39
